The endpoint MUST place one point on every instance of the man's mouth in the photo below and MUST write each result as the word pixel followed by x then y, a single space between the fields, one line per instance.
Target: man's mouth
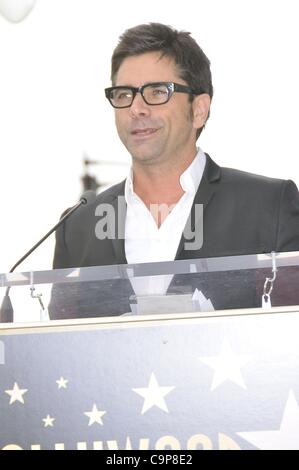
pixel 144 132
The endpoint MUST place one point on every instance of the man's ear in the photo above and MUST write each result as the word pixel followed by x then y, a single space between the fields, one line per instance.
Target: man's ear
pixel 201 107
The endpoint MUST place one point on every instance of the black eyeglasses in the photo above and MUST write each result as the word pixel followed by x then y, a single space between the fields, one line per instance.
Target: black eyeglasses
pixel 152 93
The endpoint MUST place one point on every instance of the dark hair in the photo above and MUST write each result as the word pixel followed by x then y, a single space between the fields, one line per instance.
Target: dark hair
pixel 192 63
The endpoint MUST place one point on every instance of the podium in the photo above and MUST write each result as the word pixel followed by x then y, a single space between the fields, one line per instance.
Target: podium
pixel 148 373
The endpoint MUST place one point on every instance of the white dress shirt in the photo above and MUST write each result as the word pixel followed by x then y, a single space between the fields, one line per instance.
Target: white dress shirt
pixel 145 242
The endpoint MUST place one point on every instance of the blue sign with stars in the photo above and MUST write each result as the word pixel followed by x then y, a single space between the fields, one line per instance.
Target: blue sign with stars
pixel 218 382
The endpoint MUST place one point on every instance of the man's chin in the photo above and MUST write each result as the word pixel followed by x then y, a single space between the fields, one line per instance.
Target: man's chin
pixel 144 154
pixel 144 158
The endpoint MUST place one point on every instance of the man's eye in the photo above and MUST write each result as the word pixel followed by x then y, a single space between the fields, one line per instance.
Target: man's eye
pixel 159 91
pixel 122 95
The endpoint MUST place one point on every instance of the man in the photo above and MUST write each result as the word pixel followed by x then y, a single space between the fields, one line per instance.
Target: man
pixel 177 203
pixel 159 125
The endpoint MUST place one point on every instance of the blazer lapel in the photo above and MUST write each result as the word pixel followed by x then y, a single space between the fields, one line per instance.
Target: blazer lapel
pixel 204 194
pixel 118 241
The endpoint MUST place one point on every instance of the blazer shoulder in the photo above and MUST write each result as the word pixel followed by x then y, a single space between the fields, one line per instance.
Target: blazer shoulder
pixel 111 193
pixel 217 174
pixel 233 175
pixel 232 182
pixel 81 218
pixel 284 192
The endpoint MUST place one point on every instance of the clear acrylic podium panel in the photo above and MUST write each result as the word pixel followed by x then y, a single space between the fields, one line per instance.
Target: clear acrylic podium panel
pixel 195 285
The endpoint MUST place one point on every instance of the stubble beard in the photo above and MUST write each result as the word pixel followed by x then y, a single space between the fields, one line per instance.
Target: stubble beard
pixel 147 154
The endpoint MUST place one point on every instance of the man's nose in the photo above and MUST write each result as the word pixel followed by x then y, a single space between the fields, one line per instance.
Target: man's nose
pixel 139 107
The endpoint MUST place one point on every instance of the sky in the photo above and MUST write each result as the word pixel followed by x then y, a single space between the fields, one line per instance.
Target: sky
pixel 55 64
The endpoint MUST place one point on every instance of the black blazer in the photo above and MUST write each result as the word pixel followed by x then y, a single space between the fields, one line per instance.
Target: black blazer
pixel 242 214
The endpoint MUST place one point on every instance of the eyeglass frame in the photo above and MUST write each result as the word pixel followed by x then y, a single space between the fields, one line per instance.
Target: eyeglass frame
pixel 171 86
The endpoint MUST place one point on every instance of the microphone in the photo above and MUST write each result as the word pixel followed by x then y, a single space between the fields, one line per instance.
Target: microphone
pixel 6 310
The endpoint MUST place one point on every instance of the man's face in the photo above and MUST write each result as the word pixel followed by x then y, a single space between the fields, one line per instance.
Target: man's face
pixel 154 134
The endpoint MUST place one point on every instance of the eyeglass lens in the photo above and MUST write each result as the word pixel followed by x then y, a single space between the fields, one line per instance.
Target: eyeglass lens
pixel 152 94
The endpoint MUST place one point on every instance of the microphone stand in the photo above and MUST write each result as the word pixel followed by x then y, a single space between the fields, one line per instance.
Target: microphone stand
pixel 6 309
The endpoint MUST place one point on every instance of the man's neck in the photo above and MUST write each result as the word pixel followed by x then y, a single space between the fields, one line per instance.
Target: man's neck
pixel 160 184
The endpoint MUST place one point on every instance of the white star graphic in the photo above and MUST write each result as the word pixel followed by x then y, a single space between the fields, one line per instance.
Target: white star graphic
pixel 153 395
pixel 226 366
pixel 48 421
pixel 16 394
pixel 95 416
pixel 62 383
pixel 286 438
